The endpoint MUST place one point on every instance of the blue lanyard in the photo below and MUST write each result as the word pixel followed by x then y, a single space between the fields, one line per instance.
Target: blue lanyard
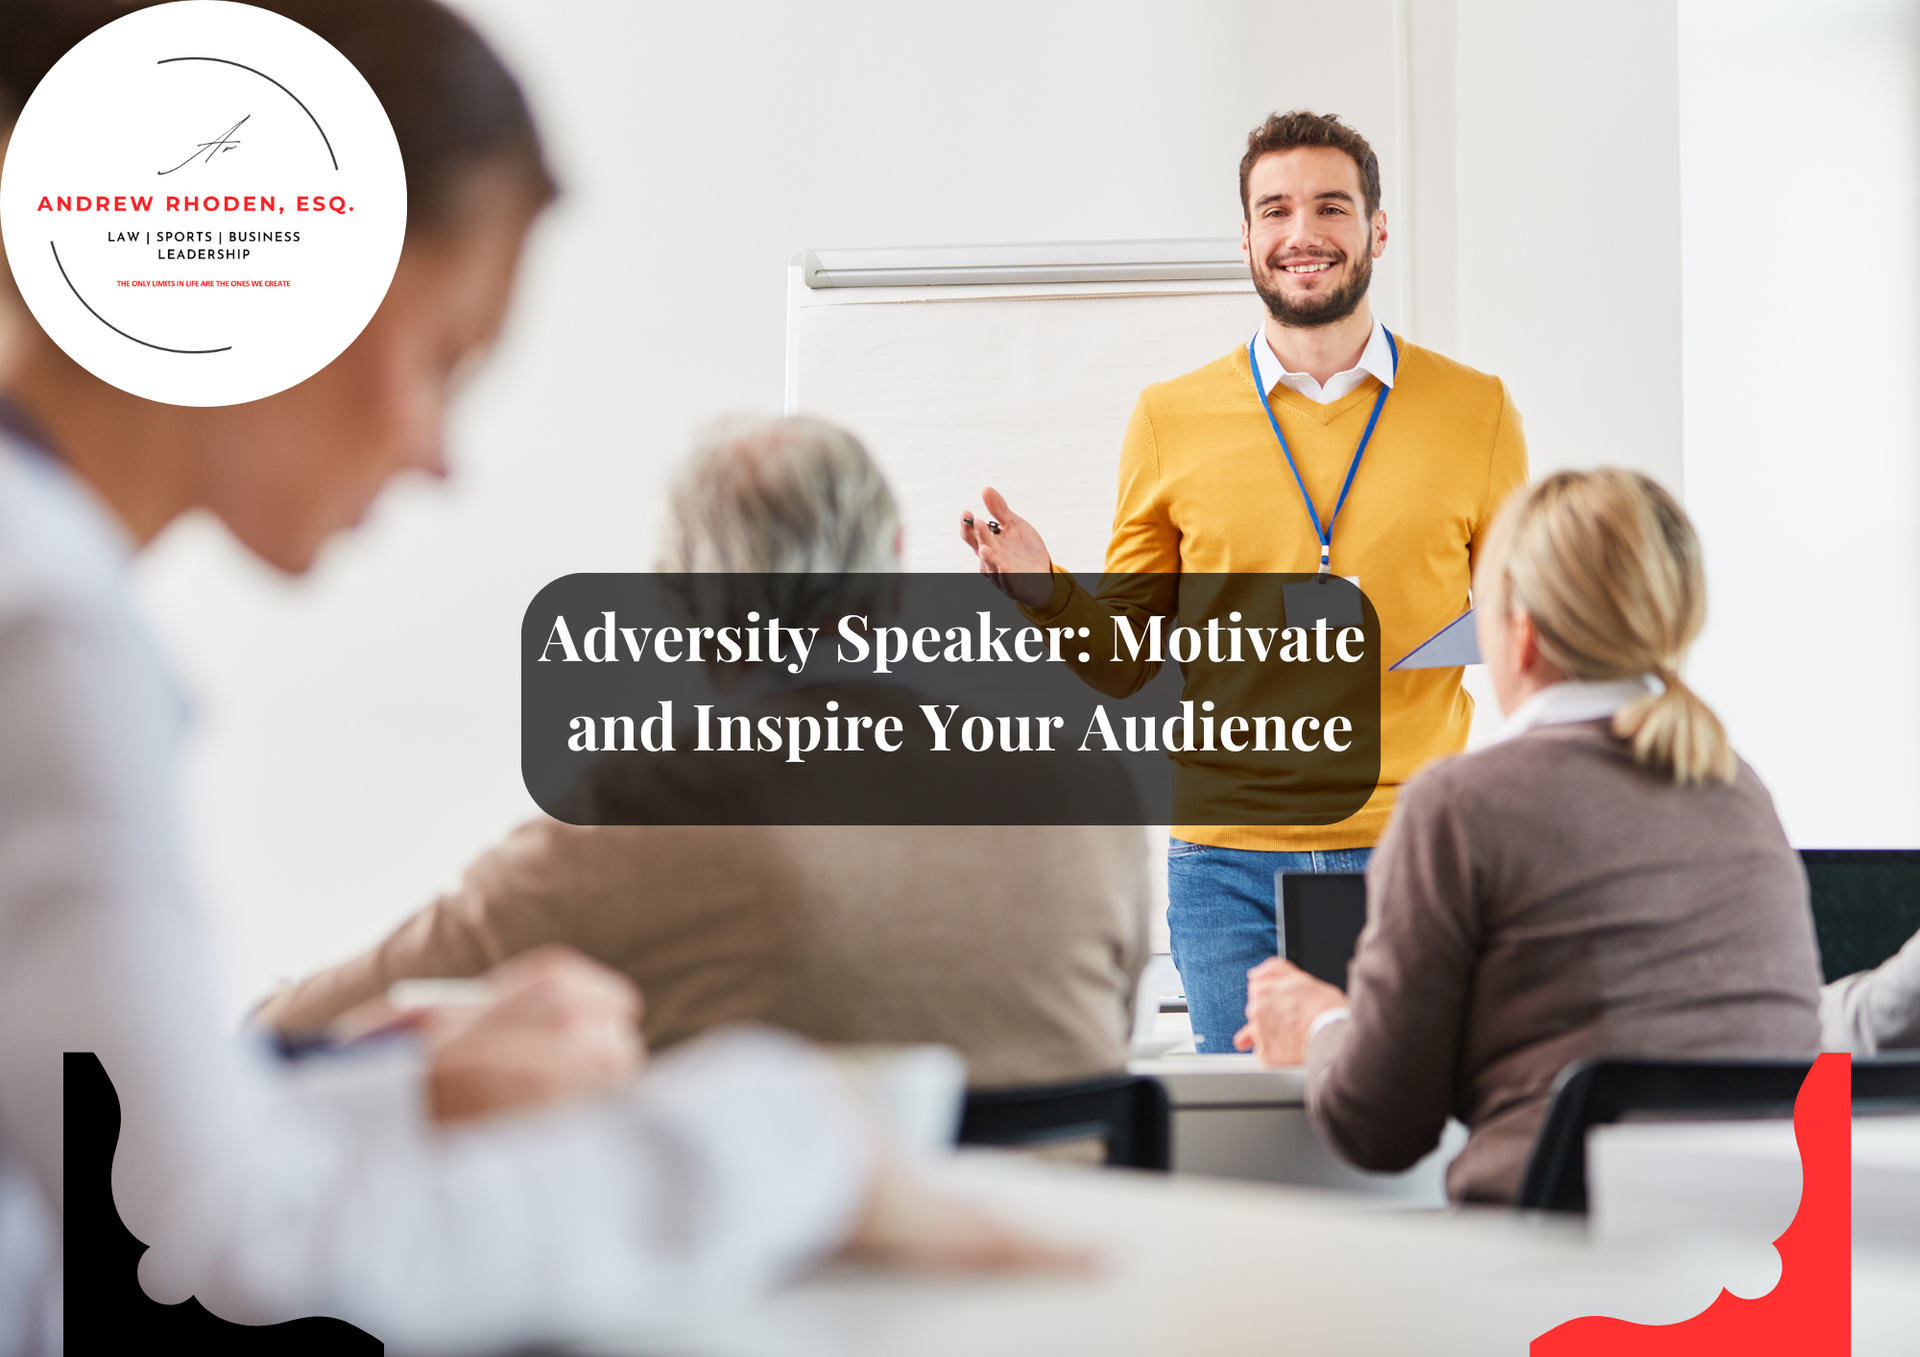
pixel 1325 533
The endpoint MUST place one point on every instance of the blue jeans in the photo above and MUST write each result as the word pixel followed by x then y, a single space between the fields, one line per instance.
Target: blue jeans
pixel 1220 910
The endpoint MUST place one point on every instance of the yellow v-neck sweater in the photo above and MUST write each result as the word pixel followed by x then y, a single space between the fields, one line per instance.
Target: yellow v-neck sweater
pixel 1205 489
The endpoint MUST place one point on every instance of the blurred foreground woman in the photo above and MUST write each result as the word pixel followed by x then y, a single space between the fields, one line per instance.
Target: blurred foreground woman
pixel 379 1188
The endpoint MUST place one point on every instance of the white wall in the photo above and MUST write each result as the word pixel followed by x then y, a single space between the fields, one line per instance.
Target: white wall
pixel 1547 224
pixel 358 739
pixel 1567 235
pixel 1559 177
pixel 1800 145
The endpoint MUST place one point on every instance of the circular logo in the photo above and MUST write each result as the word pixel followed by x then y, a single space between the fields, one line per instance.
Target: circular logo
pixel 203 203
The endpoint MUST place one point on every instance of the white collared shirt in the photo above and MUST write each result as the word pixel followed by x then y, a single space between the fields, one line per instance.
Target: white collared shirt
pixel 1376 360
pixel 1575 700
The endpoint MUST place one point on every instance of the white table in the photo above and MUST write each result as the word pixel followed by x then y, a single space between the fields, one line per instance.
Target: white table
pixel 1661 1179
pixel 1235 1118
pixel 1209 1267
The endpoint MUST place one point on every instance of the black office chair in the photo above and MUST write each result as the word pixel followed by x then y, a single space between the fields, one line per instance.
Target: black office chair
pixel 1597 1092
pixel 1866 904
pixel 1130 1114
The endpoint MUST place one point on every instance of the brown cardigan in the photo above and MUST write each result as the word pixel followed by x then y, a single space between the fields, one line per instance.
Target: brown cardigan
pixel 1545 900
pixel 1018 945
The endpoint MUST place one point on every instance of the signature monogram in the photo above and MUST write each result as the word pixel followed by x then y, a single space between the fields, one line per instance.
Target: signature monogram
pixel 224 142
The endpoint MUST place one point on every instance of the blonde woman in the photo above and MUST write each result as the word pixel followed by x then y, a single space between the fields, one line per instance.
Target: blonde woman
pixel 1608 879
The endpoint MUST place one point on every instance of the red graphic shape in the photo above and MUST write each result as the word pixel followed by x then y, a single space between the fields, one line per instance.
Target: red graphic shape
pixel 1809 1312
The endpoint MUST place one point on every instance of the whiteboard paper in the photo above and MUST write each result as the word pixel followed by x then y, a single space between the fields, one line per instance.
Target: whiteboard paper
pixel 1025 388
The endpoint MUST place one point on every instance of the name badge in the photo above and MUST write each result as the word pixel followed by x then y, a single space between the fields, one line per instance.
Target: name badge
pixel 1332 598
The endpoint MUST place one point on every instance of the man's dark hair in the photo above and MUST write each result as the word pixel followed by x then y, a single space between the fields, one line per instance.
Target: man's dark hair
pixel 454 107
pixel 1287 131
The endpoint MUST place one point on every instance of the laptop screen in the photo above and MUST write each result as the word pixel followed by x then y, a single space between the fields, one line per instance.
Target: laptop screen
pixel 1866 904
pixel 1320 917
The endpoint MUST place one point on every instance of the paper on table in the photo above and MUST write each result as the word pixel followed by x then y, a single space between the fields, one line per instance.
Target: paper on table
pixel 439 992
pixel 1454 644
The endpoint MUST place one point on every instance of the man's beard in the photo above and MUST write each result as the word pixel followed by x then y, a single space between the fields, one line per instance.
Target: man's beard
pixel 1326 308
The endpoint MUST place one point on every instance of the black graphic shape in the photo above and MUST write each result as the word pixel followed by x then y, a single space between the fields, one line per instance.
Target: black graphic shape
pixel 223 142
pixel 106 1311
pixel 109 324
pixel 282 88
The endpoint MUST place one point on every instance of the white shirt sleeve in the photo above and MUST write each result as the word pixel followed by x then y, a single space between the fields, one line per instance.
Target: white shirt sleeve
pixel 272 1194
pixel 1325 1019
pixel 1877 1010
pixel 732 1165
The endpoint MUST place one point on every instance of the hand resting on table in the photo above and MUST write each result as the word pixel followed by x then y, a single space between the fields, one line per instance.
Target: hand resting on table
pixel 549 1025
pixel 1282 1002
pixel 556 1025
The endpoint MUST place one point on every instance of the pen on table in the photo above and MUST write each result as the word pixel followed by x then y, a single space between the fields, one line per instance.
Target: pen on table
pixel 409 999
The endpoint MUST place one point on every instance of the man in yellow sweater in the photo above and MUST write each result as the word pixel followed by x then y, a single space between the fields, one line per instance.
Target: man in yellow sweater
pixel 1223 471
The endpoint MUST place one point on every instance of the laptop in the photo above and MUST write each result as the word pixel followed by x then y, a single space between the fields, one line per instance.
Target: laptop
pixel 1866 904
pixel 1320 917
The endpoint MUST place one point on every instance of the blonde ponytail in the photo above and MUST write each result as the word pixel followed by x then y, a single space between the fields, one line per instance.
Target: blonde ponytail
pixel 1608 568
pixel 1675 729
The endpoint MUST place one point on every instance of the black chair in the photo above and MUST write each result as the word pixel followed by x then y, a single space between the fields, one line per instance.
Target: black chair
pixel 1597 1092
pixel 1866 904
pixel 1130 1114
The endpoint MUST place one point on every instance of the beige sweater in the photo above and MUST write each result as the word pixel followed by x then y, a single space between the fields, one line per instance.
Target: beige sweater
pixel 1018 945
pixel 1546 900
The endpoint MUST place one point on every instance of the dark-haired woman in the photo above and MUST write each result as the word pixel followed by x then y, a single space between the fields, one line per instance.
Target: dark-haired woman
pixel 271 1192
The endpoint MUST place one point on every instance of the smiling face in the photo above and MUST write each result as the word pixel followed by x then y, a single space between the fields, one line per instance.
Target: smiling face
pixel 287 472
pixel 1307 237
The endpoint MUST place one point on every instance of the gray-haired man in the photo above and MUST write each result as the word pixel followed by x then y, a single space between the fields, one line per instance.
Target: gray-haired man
pixel 842 933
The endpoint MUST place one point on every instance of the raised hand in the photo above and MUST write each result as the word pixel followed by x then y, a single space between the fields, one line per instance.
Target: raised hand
pixel 1009 550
